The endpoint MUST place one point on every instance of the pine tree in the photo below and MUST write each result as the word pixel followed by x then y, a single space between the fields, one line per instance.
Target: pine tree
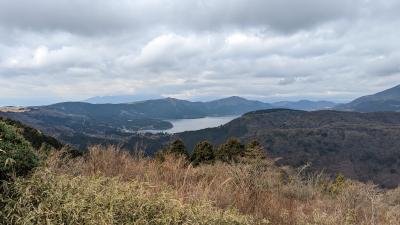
pixel 203 152
pixel 254 150
pixel 230 150
pixel 176 148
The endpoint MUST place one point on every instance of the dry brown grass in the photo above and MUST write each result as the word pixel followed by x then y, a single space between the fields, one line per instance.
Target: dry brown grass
pixel 14 109
pixel 259 189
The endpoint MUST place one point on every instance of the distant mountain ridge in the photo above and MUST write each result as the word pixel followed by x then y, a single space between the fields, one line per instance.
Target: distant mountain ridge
pixel 71 121
pixel 119 99
pixel 76 122
pixel 387 100
pixel 306 105
pixel 172 108
pixel 166 108
pixel 301 104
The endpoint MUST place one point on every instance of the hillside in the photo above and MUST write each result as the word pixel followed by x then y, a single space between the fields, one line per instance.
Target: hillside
pixel 35 137
pixel 171 108
pixel 22 148
pixel 178 187
pixel 234 106
pixel 388 100
pixel 81 124
pixel 306 105
pixel 110 186
pixel 346 142
pixel 67 120
pixel 45 186
pixel 361 146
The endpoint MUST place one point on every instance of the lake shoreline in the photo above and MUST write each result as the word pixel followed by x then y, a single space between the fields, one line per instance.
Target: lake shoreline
pixel 182 125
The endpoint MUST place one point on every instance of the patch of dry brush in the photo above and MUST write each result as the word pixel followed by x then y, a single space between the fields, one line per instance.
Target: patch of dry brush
pixel 257 188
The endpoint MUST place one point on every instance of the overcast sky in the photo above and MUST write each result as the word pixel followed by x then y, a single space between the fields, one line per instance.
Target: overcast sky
pixel 61 50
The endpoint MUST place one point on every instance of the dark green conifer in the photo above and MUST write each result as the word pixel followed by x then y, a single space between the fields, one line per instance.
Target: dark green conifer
pixel 176 148
pixel 231 150
pixel 203 153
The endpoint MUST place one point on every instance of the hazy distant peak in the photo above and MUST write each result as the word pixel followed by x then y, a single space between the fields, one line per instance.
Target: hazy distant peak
pixel 233 99
pixel 393 92
pixel 387 100
pixel 119 99
pixel 170 99
pixel 305 105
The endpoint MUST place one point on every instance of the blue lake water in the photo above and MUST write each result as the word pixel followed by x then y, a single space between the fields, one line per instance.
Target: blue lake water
pixel 182 125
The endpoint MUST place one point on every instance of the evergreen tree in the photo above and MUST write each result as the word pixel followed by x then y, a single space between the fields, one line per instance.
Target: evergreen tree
pixel 203 152
pixel 254 150
pixel 230 150
pixel 176 148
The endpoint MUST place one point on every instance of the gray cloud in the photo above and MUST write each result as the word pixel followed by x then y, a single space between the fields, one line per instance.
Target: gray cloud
pixel 262 49
pixel 84 16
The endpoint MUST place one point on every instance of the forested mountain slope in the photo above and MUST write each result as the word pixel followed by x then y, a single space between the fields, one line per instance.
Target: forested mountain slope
pixel 364 146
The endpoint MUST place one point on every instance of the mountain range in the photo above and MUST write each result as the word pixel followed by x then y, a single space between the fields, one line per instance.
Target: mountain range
pixel 74 121
pixel 102 119
pixel 306 105
pixel 301 104
pixel 387 100
pixel 119 99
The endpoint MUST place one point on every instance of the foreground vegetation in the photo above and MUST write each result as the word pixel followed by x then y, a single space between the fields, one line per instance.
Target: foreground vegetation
pixel 22 148
pixel 229 184
pixel 109 186
pixel 51 198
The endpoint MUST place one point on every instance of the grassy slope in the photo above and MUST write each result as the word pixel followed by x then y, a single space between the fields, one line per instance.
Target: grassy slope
pixel 51 195
pixel 108 186
pixel 112 187
pixel 50 198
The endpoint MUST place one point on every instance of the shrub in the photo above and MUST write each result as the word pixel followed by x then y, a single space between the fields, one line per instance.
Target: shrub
pixel 337 186
pixel 254 150
pixel 49 198
pixel 33 136
pixel 176 148
pixel 231 150
pixel 17 157
pixel 203 152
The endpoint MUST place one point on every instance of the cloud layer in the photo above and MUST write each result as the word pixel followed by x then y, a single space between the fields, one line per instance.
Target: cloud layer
pixel 56 50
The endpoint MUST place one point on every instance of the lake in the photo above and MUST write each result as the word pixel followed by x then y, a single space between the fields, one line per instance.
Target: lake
pixel 182 125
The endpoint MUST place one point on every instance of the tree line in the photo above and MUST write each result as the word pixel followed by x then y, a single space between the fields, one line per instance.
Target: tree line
pixel 204 152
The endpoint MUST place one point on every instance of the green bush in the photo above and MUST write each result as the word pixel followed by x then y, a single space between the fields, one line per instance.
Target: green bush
pixel 203 153
pixel 335 187
pixel 17 157
pixel 33 136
